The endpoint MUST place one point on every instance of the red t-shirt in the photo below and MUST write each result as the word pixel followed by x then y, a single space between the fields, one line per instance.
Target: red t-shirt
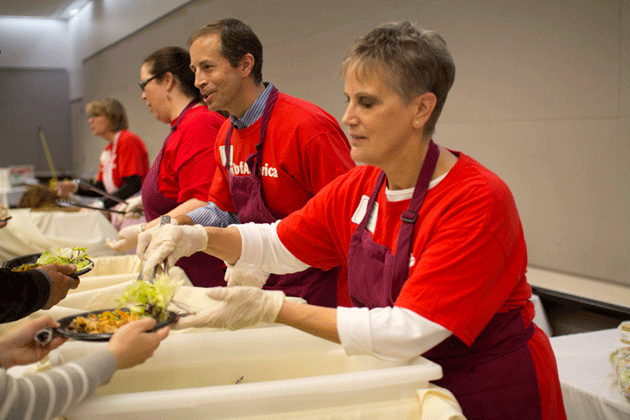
pixel 131 158
pixel 469 256
pixel 304 150
pixel 188 164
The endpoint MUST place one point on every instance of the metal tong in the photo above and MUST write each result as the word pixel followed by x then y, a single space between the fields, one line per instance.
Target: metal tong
pixel 87 186
pixel 66 203
pixel 165 220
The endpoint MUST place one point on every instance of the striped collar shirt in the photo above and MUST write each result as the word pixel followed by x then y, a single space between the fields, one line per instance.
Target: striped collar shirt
pixel 255 111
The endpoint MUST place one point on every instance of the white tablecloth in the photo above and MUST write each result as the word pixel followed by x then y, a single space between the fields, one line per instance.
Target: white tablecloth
pixel 29 232
pixel 589 386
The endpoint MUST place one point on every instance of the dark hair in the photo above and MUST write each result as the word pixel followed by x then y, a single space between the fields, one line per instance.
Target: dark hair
pixel 110 109
pixel 174 60
pixel 237 39
pixel 416 60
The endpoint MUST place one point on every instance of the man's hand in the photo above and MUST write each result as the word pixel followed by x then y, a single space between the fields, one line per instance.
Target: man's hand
pixel 60 281
pixel 170 243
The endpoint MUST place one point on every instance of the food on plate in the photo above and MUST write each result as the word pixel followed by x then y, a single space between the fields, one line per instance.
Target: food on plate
pixel 620 360
pixel 149 299
pixel 61 256
pixel 103 323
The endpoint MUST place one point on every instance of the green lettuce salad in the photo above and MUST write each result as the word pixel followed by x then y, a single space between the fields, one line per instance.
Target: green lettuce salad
pixel 149 299
pixel 65 256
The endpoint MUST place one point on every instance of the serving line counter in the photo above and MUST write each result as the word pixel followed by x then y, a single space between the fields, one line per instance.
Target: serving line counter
pixel 269 372
pixel 276 371
pixel 31 231
pixel 590 388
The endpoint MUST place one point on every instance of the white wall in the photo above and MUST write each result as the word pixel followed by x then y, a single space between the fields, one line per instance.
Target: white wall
pixel 34 43
pixel 541 97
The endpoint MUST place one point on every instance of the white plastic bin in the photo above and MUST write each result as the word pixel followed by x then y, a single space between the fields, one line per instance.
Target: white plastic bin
pixel 223 375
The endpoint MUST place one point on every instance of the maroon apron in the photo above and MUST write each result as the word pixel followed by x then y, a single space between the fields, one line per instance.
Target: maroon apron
pixel 316 286
pixel 495 377
pixel 202 269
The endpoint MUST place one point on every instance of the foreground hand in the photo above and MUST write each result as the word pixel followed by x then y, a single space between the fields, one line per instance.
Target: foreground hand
pixel 18 345
pixel 132 344
pixel 242 307
pixel 239 277
pixel 127 238
pixel 61 283
pixel 170 243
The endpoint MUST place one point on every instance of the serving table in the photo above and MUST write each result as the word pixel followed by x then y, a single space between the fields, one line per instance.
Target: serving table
pixel 590 388
pixel 31 231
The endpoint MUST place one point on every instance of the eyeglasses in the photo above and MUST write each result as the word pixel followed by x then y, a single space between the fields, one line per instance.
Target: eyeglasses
pixel 143 84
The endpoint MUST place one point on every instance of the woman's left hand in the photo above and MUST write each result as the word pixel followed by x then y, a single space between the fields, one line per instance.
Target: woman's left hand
pixel 18 345
pixel 243 306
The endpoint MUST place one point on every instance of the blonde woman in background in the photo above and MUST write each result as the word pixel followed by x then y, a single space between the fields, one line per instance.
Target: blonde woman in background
pixel 124 162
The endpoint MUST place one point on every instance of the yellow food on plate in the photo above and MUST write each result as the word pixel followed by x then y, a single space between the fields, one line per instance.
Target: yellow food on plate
pixel 103 323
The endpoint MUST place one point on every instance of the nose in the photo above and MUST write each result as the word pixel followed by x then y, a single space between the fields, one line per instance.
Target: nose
pixel 144 95
pixel 349 119
pixel 200 82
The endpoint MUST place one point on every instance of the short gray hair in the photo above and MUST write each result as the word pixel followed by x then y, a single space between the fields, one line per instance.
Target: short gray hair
pixel 416 60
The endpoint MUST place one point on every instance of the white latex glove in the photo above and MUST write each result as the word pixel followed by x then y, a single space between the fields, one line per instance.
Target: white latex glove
pixel 238 277
pixel 170 243
pixel 127 238
pixel 133 207
pixel 242 307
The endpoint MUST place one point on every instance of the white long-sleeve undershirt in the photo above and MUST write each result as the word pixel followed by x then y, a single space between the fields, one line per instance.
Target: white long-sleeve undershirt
pixel 391 333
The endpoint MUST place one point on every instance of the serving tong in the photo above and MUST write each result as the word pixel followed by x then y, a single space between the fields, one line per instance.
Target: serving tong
pixel 66 203
pixel 165 220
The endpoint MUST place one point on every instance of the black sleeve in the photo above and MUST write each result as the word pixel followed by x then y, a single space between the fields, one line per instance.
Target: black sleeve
pixel 130 186
pixel 90 193
pixel 22 293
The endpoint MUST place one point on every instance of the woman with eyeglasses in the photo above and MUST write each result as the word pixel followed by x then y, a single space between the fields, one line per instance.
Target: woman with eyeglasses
pixel 124 162
pixel 181 175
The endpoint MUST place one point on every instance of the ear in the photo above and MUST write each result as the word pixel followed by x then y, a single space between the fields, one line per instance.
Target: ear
pixel 169 80
pixel 424 105
pixel 246 65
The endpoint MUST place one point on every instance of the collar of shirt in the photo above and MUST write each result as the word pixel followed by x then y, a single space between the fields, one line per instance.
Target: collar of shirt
pixel 255 111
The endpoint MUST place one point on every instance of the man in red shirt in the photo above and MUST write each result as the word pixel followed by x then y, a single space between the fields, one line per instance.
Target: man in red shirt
pixel 274 153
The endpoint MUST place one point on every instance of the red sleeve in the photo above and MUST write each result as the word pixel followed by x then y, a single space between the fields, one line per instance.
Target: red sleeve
pixel 195 162
pixel 220 188
pixel 131 157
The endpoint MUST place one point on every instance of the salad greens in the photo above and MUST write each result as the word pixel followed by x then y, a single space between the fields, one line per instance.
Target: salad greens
pixel 149 299
pixel 64 256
